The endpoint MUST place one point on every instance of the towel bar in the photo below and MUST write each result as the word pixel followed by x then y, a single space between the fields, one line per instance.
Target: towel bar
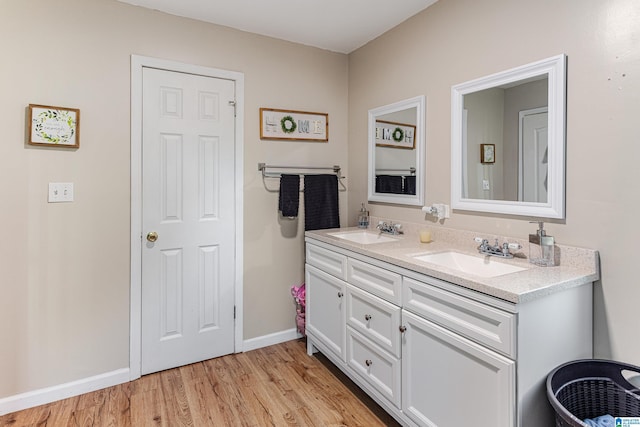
pixel 411 170
pixel 262 167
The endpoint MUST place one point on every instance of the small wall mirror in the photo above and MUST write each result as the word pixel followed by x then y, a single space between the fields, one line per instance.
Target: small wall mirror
pixel 508 141
pixel 397 152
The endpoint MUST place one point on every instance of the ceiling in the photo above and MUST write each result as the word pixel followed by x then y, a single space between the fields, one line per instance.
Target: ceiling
pixel 336 25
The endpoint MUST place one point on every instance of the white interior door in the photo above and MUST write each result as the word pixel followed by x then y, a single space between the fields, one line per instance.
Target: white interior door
pixel 533 176
pixel 188 219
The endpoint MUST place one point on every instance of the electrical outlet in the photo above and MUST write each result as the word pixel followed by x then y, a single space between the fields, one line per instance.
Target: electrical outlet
pixel 447 211
pixel 60 192
pixel 485 184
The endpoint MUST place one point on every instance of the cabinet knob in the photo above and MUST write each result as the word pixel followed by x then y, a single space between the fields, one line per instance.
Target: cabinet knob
pixel 340 294
pixel 367 317
pixel 403 328
pixel 368 362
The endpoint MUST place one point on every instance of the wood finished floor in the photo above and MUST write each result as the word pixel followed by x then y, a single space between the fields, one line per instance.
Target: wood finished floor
pixel 273 386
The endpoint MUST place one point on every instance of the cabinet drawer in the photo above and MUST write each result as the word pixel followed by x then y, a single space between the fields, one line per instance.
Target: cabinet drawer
pixel 486 325
pixel 380 282
pixel 327 261
pixel 377 367
pixel 374 318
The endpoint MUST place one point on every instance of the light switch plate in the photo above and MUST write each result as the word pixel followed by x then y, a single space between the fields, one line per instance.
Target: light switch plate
pixel 60 192
pixel 485 184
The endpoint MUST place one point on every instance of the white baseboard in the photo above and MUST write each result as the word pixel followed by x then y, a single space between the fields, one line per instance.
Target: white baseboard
pixel 46 395
pixel 271 339
pixel 42 396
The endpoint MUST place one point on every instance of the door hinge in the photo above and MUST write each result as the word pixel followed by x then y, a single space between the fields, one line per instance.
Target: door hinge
pixel 234 311
pixel 233 104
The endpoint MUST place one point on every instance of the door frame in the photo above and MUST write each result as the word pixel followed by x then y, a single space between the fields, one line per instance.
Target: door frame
pixel 135 302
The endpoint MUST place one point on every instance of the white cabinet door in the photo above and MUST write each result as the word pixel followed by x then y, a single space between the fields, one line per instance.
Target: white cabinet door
pixel 448 380
pixel 325 311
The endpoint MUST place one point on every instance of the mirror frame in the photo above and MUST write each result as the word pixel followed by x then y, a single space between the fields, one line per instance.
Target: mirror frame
pixel 418 103
pixel 555 69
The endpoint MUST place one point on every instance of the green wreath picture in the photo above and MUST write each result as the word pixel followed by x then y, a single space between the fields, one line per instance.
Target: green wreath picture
pixel 397 135
pixel 55 127
pixel 287 124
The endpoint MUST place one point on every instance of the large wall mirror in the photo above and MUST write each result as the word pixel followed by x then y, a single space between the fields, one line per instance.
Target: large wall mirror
pixel 397 152
pixel 508 141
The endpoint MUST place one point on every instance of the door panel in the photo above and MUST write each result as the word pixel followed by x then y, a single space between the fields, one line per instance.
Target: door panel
pixel 188 200
pixel 170 294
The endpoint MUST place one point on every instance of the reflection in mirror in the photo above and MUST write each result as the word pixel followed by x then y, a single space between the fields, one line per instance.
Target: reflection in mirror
pixel 396 152
pixel 494 117
pixel 519 116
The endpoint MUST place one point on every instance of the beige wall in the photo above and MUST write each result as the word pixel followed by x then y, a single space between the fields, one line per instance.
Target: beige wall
pixel 64 268
pixel 458 40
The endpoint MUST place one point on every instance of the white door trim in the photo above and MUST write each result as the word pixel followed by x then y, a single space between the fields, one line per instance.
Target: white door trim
pixel 135 302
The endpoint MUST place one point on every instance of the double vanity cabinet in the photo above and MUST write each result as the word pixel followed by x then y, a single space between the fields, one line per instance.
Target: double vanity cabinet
pixel 433 352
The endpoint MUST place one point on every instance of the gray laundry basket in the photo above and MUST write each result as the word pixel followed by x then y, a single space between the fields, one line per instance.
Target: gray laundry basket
pixel 590 388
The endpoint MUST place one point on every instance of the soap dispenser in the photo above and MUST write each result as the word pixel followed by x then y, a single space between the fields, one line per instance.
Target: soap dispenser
pixel 541 247
pixel 363 218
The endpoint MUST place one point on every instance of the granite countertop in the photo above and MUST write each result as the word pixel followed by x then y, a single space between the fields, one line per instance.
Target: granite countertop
pixel 577 266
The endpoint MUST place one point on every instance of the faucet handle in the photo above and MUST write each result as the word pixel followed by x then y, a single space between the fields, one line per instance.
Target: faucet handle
pixel 484 243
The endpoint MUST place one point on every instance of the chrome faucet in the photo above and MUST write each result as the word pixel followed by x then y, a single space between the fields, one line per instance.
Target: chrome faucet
pixel 389 228
pixel 497 249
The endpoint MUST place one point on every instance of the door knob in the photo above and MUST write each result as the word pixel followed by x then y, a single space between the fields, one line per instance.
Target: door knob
pixel 152 236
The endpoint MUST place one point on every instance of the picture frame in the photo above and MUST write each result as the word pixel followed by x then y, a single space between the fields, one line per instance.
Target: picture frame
pixel 487 153
pixel 293 125
pixel 51 126
pixel 395 135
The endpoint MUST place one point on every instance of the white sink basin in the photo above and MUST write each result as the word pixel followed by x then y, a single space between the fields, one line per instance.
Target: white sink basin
pixel 484 266
pixel 363 237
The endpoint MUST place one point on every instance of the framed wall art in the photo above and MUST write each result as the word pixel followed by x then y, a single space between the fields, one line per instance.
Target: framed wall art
pixel 293 125
pixel 487 153
pixel 395 135
pixel 54 126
